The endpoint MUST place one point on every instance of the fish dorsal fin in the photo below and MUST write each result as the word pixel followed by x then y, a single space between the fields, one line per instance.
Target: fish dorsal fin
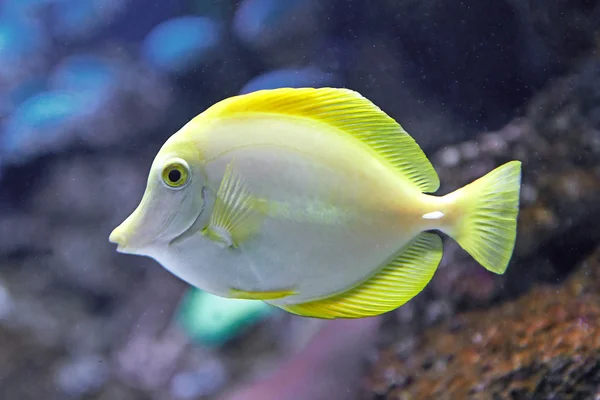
pixel 351 114
pixel 394 285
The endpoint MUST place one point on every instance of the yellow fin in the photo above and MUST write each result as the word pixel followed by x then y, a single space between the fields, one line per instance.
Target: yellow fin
pixel 489 206
pixel 242 294
pixel 236 214
pixel 394 285
pixel 351 114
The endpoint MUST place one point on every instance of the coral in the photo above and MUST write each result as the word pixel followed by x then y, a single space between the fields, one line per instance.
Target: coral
pixel 543 345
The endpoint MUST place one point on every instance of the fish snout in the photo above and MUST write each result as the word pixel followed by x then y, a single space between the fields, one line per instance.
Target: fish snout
pixel 125 236
pixel 119 237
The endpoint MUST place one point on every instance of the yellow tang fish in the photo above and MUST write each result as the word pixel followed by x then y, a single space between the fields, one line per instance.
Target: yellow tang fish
pixel 313 200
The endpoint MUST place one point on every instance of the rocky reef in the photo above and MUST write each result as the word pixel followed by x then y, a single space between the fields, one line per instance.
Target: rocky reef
pixel 545 345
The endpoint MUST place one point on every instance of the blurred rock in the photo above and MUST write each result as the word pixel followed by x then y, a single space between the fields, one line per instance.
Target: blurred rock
pixel 545 348
pixel 67 219
pixel 148 362
pixel 34 361
pixel 74 188
pixel 149 349
pixel 82 376
pixel 206 380
pixel 326 368
pixel 570 109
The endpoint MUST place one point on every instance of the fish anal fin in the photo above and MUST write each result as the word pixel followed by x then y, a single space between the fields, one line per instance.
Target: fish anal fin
pixel 394 285
pixel 236 215
pixel 350 113
pixel 268 295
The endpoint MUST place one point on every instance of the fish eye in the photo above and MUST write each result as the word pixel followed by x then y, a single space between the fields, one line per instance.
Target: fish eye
pixel 176 173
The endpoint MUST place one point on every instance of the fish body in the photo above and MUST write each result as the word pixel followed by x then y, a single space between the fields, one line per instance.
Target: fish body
pixel 313 200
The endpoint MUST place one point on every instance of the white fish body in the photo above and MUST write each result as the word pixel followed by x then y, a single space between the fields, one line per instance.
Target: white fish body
pixel 331 215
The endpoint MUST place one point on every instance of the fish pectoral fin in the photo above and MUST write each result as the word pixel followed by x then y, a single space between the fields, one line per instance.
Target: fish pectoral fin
pixel 219 236
pixel 269 295
pixel 394 285
pixel 236 214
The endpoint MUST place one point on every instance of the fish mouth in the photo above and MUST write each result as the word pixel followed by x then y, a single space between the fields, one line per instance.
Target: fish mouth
pixel 123 240
pixel 118 238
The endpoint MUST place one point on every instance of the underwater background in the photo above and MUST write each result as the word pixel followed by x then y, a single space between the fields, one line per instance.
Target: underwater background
pixel 90 89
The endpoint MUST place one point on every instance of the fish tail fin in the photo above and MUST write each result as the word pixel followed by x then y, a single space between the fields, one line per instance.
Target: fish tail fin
pixel 486 216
